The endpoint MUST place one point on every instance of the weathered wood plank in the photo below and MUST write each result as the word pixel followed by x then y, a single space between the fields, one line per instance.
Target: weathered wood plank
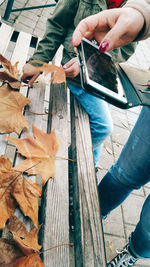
pixel 56 229
pixel 89 245
pixel 19 54
pixel 21 49
pixel 2 144
pixel 5 36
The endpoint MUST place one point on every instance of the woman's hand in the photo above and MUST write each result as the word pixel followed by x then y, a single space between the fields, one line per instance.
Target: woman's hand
pixel 72 68
pixel 31 73
pixel 111 28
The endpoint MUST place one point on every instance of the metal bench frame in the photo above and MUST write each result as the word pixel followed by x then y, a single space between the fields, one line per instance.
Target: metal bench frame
pixel 10 6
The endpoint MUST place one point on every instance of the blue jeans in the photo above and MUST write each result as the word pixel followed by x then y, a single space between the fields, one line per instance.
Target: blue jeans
pixel 131 171
pixel 99 116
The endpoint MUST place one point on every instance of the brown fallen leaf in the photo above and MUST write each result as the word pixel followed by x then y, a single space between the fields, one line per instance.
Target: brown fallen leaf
pixel 9 252
pixel 12 256
pixel 10 73
pixel 108 150
pixel 11 106
pixel 33 260
pixel 23 249
pixel 58 76
pixel 27 241
pixel 16 190
pixel 111 246
pixel 41 149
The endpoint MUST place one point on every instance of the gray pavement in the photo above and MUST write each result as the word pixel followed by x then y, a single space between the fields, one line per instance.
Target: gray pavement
pixel 120 223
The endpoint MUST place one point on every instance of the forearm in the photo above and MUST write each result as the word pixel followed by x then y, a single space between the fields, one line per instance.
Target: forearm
pixel 144 8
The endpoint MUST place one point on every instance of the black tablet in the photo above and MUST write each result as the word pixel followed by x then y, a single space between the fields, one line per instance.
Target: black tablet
pixel 101 77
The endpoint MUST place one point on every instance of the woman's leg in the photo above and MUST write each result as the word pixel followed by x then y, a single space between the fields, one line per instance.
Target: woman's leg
pixel 99 117
pixel 132 170
pixel 140 238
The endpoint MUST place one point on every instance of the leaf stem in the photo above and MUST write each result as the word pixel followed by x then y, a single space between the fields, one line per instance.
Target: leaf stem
pixel 57 157
pixel 60 245
pixel 36 113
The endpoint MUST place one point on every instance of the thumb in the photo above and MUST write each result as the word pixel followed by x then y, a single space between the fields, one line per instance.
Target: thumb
pixel 34 77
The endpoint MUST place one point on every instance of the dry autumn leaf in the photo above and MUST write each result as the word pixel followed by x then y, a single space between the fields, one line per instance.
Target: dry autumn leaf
pixel 12 256
pixel 10 73
pixel 58 76
pixel 27 241
pixel 9 252
pixel 41 149
pixel 33 260
pixel 11 106
pixel 23 249
pixel 16 190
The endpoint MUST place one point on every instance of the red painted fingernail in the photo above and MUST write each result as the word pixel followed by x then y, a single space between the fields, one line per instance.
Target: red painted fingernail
pixel 103 46
pixel 148 83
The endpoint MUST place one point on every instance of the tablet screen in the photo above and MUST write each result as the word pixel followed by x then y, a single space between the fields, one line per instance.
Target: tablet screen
pixel 101 72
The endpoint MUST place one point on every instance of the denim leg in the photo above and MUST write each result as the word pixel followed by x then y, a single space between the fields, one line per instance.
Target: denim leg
pixel 111 194
pixel 99 117
pixel 140 238
pixel 132 170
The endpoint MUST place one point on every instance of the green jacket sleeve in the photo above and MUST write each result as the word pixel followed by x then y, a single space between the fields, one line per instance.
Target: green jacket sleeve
pixel 122 54
pixel 56 30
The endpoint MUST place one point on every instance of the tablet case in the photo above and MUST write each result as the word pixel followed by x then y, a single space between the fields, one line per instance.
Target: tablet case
pixel 138 78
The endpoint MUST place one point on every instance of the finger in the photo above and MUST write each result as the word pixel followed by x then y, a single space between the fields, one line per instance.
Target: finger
pixel 67 65
pixel 84 29
pixel 123 30
pixel 72 72
pixel 26 79
pixel 32 80
pixel 24 76
pixel 116 37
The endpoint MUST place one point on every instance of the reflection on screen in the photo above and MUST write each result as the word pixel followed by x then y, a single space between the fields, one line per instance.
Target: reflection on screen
pixel 101 68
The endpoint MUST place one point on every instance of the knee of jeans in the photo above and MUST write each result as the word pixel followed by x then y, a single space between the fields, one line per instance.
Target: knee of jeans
pixel 105 129
pixel 124 177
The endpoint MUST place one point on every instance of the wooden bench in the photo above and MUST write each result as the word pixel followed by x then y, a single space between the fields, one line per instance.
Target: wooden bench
pixel 69 209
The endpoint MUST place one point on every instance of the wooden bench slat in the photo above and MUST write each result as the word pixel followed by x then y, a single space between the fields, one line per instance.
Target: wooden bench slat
pixel 89 246
pixel 56 230
pixel 5 33
pixel 21 49
pixel 2 143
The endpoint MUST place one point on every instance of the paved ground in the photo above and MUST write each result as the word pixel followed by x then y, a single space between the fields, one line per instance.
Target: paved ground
pixel 121 221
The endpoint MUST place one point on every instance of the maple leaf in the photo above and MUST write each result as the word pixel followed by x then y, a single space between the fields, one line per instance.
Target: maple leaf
pixel 33 260
pixel 59 75
pixel 10 73
pixel 23 249
pixel 39 151
pixel 12 256
pixel 11 105
pixel 27 241
pixel 9 252
pixel 16 190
